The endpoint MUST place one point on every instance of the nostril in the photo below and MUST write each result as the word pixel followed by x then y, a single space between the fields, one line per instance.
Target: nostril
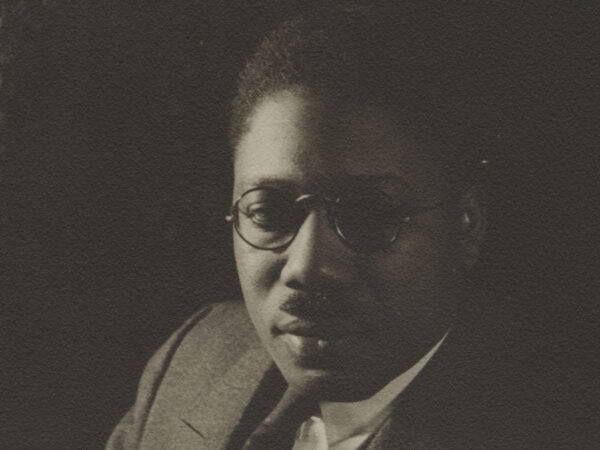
pixel 296 285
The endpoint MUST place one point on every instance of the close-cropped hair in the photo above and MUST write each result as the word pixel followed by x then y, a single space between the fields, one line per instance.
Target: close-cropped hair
pixel 418 64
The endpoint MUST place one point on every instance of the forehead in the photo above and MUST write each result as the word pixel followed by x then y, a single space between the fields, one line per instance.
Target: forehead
pixel 296 138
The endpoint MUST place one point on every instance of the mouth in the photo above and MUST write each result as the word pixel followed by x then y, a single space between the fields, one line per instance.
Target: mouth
pixel 322 331
pixel 314 343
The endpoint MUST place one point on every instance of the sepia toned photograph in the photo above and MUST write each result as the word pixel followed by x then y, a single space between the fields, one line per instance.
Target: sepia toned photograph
pixel 265 225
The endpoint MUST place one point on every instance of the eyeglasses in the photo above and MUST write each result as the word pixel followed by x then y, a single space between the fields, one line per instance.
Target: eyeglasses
pixel 366 220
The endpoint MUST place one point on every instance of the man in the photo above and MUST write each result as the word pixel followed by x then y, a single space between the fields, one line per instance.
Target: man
pixel 357 218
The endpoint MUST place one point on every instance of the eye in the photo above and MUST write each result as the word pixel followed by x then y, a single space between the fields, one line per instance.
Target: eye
pixel 267 211
pixel 262 213
pixel 270 216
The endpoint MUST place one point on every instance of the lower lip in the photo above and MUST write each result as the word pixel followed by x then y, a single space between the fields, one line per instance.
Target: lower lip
pixel 307 347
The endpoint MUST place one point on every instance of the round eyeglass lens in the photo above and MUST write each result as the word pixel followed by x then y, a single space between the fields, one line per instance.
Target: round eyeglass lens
pixel 266 218
pixel 367 221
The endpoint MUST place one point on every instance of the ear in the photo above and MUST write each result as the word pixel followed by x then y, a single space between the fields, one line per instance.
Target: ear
pixel 472 225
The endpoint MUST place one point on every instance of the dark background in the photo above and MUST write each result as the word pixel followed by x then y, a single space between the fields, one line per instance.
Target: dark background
pixel 115 180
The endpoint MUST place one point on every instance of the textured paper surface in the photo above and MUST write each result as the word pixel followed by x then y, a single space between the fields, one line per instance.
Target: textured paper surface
pixel 115 179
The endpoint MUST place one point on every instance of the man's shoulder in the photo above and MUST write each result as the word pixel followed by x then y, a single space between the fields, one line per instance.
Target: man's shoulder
pixel 206 345
pixel 200 378
pixel 221 331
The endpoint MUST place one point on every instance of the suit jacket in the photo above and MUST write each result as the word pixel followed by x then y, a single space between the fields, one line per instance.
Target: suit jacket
pixel 212 382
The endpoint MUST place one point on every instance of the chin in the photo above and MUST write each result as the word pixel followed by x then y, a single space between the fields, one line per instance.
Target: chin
pixel 336 386
pixel 342 375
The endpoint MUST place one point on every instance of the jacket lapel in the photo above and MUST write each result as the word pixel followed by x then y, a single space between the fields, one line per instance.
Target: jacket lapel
pixel 265 398
pixel 215 413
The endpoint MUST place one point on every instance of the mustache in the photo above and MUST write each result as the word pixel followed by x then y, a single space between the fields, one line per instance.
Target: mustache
pixel 319 305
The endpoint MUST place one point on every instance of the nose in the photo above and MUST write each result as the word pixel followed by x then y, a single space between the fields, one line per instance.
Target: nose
pixel 317 258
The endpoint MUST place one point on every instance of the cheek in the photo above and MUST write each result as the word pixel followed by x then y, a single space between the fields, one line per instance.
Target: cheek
pixel 412 299
pixel 413 274
pixel 257 272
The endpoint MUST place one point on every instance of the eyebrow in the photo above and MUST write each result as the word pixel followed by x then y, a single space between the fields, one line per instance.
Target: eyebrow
pixel 377 180
pixel 272 182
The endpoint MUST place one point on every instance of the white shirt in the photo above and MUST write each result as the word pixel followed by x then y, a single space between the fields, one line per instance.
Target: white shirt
pixel 345 426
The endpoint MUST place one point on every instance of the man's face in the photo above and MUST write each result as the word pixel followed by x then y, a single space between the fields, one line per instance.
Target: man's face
pixel 327 313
